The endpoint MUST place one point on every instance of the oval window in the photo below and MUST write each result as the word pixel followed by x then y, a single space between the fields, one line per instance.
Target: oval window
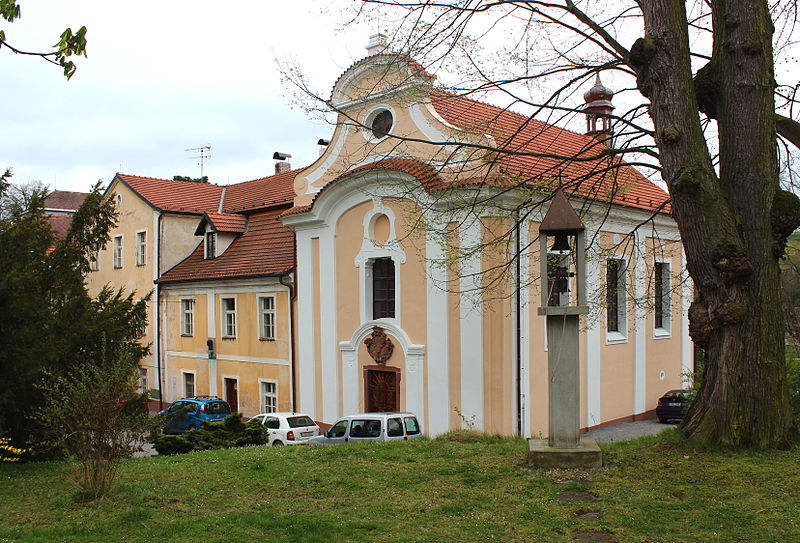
pixel 382 123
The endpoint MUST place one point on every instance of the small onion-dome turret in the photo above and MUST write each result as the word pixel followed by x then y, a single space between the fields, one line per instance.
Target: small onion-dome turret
pixel 598 107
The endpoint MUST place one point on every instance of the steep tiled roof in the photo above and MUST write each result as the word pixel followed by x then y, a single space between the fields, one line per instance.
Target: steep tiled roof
pixel 534 153
pixel 260 193
pixel 63 200
pixel 224 222
pixel 60 223
pixel 175 196
pixel 424 173
pixel 266 249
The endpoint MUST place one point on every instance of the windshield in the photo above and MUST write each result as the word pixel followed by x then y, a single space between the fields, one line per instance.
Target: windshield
pixel 217 408
pixel 296 422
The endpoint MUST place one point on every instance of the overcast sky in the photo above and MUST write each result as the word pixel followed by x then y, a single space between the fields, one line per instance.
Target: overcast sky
pixel 162 77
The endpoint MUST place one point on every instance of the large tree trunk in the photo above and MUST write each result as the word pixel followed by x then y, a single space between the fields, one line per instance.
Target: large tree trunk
pixel 733 224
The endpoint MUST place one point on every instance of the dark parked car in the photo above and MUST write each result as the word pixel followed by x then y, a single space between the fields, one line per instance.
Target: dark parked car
pixel 189 413
pixel 672 406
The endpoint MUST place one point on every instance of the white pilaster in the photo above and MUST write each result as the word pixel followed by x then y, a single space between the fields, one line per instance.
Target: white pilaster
pixel 329 355
pixel 640 324
pixel 471 325
pixel 595 333
pixel 687 358
pixel 305 324
pixel 525 327
pixel 438 326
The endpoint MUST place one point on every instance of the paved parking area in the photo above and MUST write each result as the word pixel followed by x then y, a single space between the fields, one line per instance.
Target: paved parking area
pixel 624 431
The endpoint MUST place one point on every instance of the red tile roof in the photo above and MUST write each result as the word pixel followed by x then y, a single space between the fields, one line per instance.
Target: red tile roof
pixel 175 196
pixel 543 155
pixel 60 223
pixel 63 200
pixel 260 193
pixel 266 249
pixel 224 222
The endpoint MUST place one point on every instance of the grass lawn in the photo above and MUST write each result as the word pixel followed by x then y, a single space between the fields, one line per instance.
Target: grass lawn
pixel 650 490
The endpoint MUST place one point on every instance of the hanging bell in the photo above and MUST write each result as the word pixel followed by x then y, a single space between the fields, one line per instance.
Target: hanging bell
pixel 561 243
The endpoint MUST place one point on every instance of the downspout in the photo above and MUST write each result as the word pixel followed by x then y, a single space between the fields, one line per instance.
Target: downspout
pixel 158 316
pixel 292 297
pixel 518 323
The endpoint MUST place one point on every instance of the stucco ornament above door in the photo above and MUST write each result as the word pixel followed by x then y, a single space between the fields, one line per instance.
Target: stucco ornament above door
pixel 379 345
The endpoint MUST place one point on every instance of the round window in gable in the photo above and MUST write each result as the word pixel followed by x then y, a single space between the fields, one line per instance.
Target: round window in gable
pixel 382 123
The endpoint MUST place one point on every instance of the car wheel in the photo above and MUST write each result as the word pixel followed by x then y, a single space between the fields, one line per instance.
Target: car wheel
pixel 192 427
pixel 277 443
pixel 662 420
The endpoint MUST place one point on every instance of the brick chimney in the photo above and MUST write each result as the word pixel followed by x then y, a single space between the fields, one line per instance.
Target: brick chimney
pixel 282 163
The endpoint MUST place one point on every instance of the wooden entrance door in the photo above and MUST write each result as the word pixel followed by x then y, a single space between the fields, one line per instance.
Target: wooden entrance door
pixel 232 393
pixel 381 388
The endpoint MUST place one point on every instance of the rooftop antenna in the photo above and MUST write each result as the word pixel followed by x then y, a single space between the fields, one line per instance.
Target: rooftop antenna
pixel 205 152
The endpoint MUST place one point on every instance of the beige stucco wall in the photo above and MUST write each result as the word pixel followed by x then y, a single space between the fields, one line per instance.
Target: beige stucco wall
pixel 275 356
pixel 664 353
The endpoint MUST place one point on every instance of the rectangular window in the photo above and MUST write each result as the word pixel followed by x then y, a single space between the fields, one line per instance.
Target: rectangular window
pixel 269 397
pixel 383 288
pixel 266 317
pixel 141 248
pixel 661 298
pixel 188 385
pixel 187 317
pixel 615 296
pixel 211 245
pixel 143 388
pixel 229 316
pixel 94 260
pixel 117 252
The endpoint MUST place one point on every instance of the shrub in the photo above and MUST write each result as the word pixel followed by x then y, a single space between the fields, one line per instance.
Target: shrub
pixel 231 432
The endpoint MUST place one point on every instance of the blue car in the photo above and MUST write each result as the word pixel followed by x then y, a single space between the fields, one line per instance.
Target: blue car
pixel 189 413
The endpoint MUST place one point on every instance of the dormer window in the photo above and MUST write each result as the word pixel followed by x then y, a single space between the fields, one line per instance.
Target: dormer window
pixel 211 245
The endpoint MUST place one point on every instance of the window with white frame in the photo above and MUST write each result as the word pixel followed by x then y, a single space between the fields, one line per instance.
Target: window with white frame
pixel 269 397
pixel 188 384
pixel 616 321
pixel 141 248
pixel 187 317
pixel 383 288
pixel 211 245
pixel 229 317
pixel 94 260
pixel 143 388
pixel 117 251
pixel 266 317
pixel 661 298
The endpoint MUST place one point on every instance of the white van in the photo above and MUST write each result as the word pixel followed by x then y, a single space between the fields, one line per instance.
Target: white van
pixel 370 427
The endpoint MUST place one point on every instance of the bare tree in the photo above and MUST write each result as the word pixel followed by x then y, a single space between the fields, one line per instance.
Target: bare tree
pixel 704 111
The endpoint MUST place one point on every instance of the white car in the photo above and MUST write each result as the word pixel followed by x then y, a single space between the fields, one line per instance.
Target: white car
pixel 370 427
pixel 288 428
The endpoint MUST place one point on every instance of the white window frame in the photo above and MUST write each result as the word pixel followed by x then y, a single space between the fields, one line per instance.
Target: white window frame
pixel 224 314
pixel 267 314
pixel 264 394
pixel 620 335
pixel 184 373
pixel 94 260
pixel 143 381
pixel 141 248
pixel 665 330
pixel 187 331
pixel 210 255
pixel 117 250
